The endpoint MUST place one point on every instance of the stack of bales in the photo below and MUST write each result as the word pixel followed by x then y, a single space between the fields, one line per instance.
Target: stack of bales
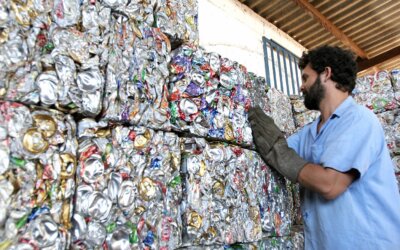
pixel 106 115
pixel 375 92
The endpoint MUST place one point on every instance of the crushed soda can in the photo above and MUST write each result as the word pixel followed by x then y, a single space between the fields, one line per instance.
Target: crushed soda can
pixel 277 105
pixel 209 95
pixel 220 205
pixel 37 169
pixel 128 188
pixel 375 92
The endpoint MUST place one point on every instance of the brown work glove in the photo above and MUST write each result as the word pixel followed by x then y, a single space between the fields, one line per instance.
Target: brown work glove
pixel 272 146
pixel 265 132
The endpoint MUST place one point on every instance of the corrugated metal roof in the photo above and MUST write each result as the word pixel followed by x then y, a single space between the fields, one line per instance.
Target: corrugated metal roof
pixel 371 28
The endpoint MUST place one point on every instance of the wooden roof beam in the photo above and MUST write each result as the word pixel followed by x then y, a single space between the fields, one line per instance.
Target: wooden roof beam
pixel 368 63
pixel 254 4
pixel 329 26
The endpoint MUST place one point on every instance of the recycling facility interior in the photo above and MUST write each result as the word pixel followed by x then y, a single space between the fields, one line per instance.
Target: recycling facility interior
pixel 123 124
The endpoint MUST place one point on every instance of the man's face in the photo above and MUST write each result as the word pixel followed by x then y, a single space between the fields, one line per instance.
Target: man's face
pixel 312 88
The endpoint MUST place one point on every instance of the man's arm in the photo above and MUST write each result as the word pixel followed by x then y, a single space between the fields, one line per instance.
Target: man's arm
pixel 328 182
pixel 274 150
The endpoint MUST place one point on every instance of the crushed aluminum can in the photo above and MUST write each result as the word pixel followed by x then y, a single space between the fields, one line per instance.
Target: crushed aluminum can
pixel 66 12
pixel 37 173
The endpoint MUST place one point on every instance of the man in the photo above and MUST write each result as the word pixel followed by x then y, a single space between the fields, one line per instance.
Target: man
pixel 351 200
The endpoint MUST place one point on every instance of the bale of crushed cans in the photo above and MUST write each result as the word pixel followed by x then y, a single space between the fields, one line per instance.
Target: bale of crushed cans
pixel 120 188
pixel 136 90
pixel 64 53
pixel 138 55
pixel 209 95
pixel 37 177
pixel 128 188
pixel 375 91
pixel 47 60
pixel 220 205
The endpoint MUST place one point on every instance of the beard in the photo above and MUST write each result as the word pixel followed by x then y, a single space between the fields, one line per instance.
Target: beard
pixel 314 95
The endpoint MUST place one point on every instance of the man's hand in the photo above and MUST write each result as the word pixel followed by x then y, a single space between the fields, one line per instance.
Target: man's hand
pixel 272 146
pixel 265 132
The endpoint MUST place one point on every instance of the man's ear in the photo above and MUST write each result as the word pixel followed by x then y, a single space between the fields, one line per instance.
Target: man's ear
pixel 327 74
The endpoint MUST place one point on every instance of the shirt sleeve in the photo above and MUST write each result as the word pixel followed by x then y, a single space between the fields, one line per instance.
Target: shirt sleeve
pixel 355 146
pixel 293 141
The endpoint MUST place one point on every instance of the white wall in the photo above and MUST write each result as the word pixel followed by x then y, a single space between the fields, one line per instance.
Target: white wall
pixel 234 31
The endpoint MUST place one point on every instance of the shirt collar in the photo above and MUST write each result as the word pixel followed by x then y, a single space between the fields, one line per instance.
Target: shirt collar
pixel 343 107
pixel 349 101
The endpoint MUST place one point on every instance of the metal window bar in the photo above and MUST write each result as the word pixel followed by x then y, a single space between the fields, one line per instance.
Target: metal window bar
pixel 281 68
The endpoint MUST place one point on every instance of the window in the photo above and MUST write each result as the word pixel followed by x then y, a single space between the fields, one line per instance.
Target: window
pixel 281 68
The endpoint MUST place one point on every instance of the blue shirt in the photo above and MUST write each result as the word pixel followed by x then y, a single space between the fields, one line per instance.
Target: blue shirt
pixel 367 214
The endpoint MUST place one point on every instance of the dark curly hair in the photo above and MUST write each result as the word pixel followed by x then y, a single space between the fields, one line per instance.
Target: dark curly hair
pixel 342 62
